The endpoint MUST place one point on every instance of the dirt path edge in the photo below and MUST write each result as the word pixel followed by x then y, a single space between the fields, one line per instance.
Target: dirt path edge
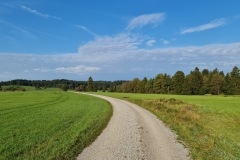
pixel 134 133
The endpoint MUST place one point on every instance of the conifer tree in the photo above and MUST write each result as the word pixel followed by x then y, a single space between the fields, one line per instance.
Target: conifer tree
pixel 90 85
pixel 178 81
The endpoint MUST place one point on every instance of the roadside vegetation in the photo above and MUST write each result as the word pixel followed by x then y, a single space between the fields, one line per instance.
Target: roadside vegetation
pixel 208 125
pixel 49 124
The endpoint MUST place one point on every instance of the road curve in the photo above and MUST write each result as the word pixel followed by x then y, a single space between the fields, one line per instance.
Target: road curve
pixel 134 133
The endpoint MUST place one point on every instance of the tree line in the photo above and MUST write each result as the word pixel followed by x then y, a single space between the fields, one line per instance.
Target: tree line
pixel 195 83
pixel 63 84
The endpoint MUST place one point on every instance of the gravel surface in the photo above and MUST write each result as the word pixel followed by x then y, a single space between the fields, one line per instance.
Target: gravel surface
pixel 136 134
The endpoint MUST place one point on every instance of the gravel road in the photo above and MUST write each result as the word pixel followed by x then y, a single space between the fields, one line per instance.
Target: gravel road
pixel 134 133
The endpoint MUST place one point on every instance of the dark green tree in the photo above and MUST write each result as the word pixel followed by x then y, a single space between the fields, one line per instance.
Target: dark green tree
pixel 206 84
pixel 64 87
pixel 158 82
pixel 136 85
pixel 177 82
pixel 235 80
pixel 112 88
pixel 149 86
pixel 227 84
pixel 205 72
pixel 195 82
pixel 166 84
pixel 90 85
pixel 187 90
pixel 143 84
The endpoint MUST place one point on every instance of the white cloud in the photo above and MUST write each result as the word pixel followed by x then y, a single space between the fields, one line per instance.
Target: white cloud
pixel 81 69
pixel 147 19
pixel 213 24
pixel 43 15
pixel 87 30
pixel 118 57
pixel 42 69
pixel 206 50
pixel 165 42
pixel 124 53
pixel 109 48
pixel 151 42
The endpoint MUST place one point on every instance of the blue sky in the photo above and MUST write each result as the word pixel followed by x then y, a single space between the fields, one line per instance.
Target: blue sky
pixel 113 40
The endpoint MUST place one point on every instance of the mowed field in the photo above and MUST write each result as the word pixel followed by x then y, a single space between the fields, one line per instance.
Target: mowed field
pixel 208 125
pixel 49 124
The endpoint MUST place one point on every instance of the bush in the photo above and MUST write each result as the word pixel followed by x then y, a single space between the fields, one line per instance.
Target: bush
pixel 64 87
pixel 12 89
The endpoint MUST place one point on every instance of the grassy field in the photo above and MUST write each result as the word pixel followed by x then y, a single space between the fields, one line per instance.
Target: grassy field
pixel 49 124
pixel 208 125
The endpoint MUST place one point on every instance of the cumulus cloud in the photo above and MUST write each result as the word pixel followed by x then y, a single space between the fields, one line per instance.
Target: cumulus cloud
pixel 119 56
pixel 43 15
pixel 213 24
pixel 111 48
pixel 124 53
pixel 147 19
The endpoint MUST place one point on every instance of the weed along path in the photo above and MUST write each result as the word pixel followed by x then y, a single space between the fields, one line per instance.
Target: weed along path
pixel 134 133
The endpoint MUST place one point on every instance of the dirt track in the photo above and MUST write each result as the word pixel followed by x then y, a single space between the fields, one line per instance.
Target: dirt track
pixel 134 133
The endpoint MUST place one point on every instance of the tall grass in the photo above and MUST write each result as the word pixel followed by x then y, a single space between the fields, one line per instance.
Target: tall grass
pixel 208 125
pixel 49 124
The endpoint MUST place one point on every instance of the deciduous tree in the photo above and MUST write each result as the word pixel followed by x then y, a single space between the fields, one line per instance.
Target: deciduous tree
pixel 217 83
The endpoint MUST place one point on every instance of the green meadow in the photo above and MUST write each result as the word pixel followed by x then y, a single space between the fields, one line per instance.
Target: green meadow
pixel 208 125
pixel 49 124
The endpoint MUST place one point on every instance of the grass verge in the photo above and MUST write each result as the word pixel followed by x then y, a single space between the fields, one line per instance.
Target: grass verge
pixel 208 125
pixel 49 124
